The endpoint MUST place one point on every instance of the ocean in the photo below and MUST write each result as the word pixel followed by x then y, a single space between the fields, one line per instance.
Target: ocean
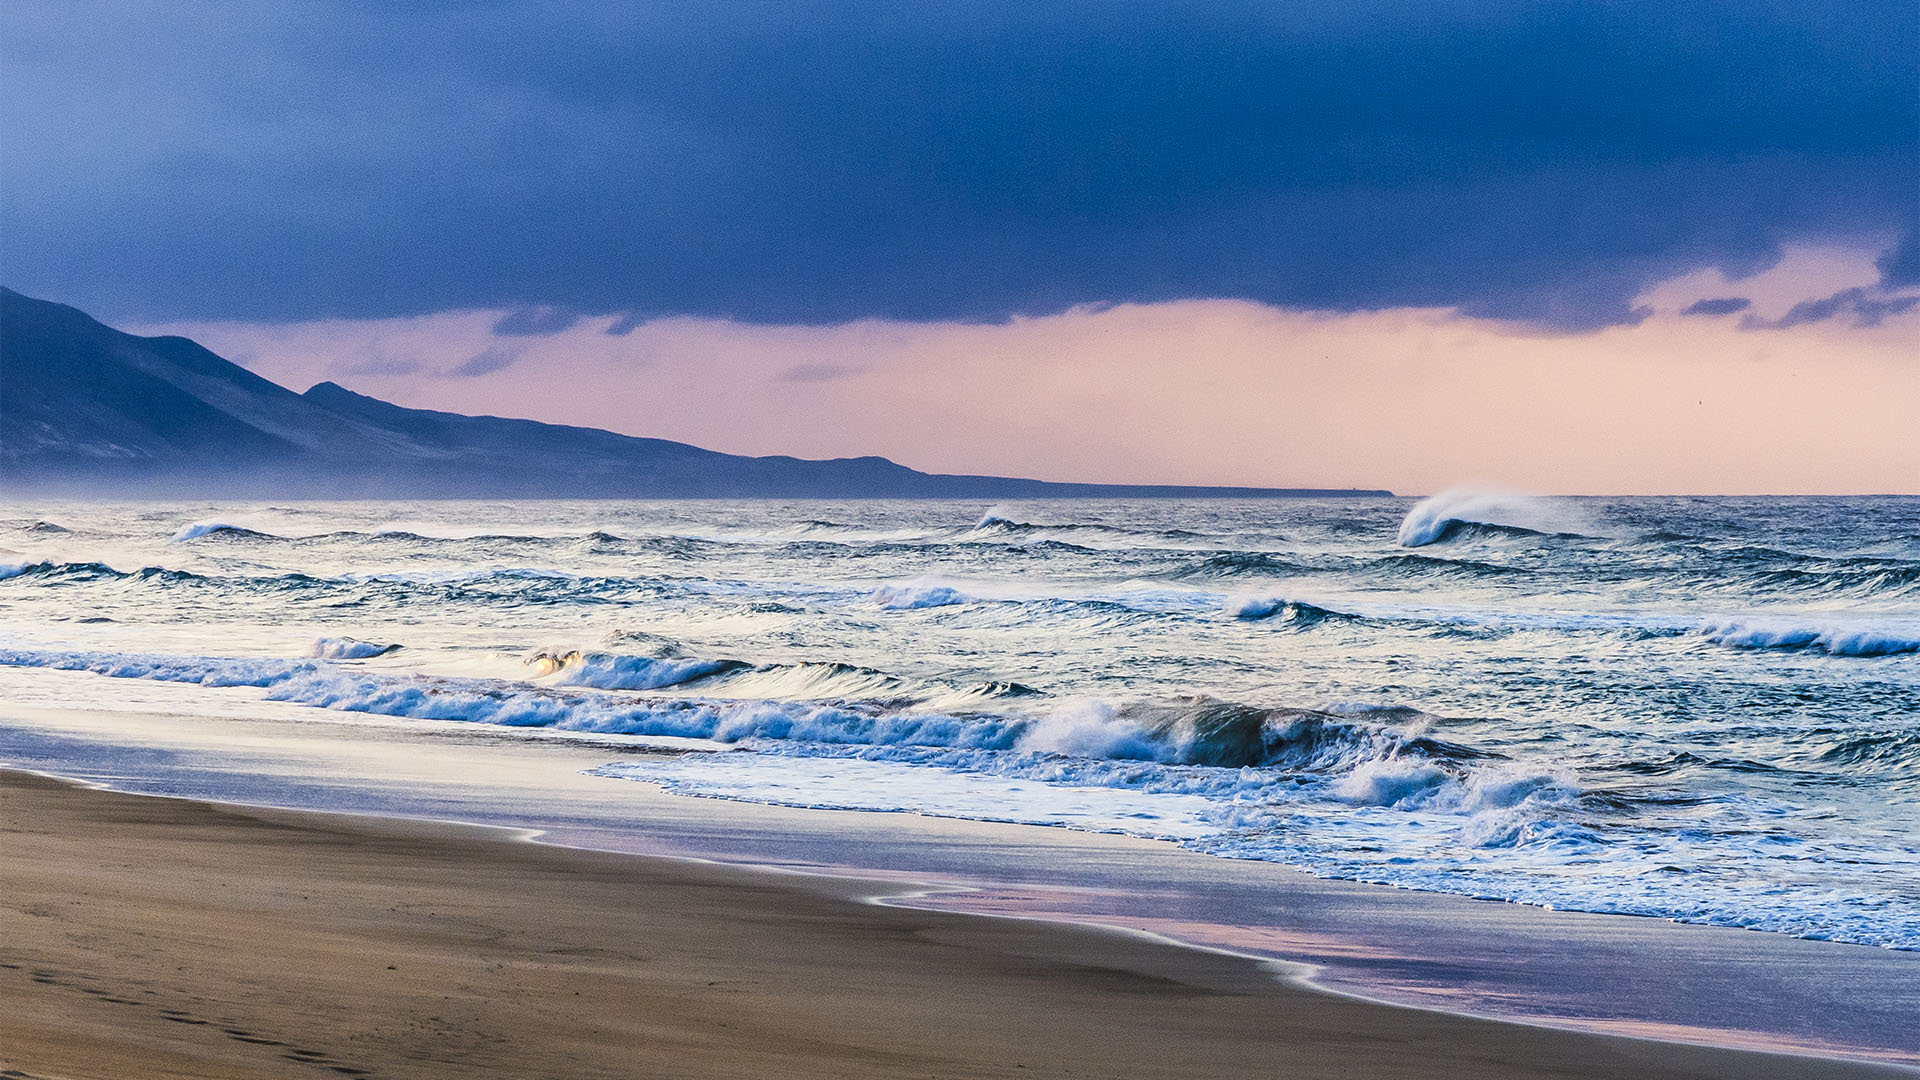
pixel 1699 709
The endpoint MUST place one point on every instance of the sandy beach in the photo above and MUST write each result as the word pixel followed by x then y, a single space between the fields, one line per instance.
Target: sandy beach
pixel 550 541
pixel 169 938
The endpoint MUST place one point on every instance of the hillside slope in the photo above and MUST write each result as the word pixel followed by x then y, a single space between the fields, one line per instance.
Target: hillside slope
pixel 85 408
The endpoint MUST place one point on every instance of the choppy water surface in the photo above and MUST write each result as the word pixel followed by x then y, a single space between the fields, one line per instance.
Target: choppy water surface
pixel 1704 709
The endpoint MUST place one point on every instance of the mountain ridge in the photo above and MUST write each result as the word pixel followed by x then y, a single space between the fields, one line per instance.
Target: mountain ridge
pixel 88 409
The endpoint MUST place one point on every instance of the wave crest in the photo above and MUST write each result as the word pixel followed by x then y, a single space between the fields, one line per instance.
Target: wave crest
pixel 1834 640
pixel 1294 613
pixel 1229 735
pixel 612 671
pixel 201 529
pixel 1459 511
pixel 347 648
pixel 918 594
pixel 1193 731
pixel 77 571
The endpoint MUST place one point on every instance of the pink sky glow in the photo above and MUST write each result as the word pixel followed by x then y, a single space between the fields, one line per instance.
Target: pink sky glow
pixel 1208 391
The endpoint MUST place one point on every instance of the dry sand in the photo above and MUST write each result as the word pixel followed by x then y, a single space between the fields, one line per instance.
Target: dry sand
pixel 151 938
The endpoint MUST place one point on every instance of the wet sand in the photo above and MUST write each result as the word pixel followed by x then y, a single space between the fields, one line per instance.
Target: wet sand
pixel 148 937
pixel 1602 973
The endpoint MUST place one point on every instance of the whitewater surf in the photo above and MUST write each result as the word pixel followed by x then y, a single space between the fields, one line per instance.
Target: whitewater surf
pixel 1699 709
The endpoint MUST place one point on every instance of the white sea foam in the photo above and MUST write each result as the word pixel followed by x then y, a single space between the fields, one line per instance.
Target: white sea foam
pixel 840 783
pixel 1390 782
pixel 1126 649
pixel 1090 729
pixel 1197 732
pixel 326 685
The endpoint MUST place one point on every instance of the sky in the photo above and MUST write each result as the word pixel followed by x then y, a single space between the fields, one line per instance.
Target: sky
pixel 1602 247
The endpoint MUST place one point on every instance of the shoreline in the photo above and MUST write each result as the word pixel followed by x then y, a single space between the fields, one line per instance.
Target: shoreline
pixel 819 980
pixel 668 746
pixel 1677 983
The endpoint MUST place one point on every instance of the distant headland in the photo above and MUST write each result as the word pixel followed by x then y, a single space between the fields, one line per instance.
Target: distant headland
pixel 87 409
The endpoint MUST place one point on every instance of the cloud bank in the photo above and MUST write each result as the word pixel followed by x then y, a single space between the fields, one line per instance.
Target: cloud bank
pixel 818 162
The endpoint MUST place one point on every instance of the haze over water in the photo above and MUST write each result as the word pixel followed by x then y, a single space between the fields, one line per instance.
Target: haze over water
pixel 1701 709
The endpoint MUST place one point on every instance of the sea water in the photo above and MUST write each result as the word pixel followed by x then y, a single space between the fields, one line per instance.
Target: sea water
pixel 1693 708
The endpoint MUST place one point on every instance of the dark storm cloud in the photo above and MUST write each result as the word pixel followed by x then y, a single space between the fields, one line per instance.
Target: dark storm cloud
pixel 626 324
pixel 486 363
pixel 816 373
pixel 1730 305
pixel 1867 306
pixel 535 321
pixel 814 162
pixel 375 362
pixel 1900 266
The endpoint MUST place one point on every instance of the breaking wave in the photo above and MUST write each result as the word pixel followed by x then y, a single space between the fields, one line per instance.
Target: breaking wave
pixel 1468 511
pixel 1833 639
pixel 1196 731
pixel 18 569
pixel 611 671
pixel 918 594
pixel 201 529
pixel 346 648
pixel 52 570
pixel 1664 683
pixel 1293 612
